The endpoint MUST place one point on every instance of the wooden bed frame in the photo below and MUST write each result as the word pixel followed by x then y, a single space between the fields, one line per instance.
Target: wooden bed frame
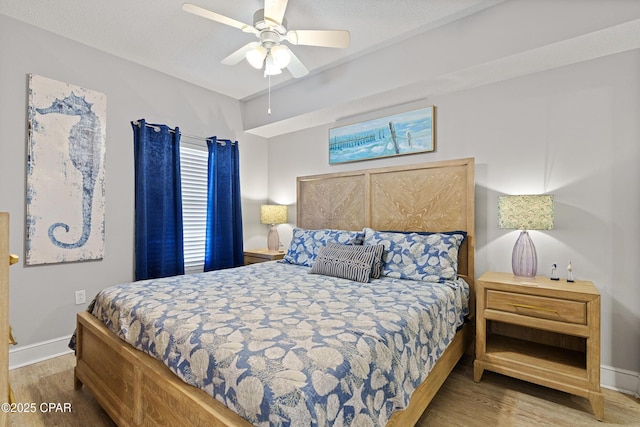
pixel 138 390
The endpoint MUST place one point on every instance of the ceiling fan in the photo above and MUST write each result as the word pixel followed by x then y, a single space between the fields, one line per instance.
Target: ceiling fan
pixel 269 26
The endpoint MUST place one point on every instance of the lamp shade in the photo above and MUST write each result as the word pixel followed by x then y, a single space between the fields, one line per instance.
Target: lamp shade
pixel 281 56
pixel 270 66
pixel 532 212
pixel 256 56
pixel 273 214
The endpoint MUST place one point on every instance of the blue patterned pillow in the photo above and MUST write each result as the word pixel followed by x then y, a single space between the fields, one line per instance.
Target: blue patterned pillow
pixel 345 261
pixel 431 257
pixel 428 233
pixel 305 244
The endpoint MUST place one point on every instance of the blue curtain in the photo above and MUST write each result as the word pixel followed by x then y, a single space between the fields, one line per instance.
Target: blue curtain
pixel 223 246
pixel 158 201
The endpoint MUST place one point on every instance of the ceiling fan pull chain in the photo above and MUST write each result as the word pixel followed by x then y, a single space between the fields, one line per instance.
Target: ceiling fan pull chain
pixel 269 107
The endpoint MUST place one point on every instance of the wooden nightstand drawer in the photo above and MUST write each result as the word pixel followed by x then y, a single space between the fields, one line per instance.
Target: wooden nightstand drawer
pixel 535 306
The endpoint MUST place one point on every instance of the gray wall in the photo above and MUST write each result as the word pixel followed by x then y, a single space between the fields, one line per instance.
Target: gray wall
pixel 42 297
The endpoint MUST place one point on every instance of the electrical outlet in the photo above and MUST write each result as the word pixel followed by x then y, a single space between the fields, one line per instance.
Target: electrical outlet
pixel 80 297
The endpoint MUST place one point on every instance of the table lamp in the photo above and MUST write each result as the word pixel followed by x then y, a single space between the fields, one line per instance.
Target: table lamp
pixel 273 215
pixel 532 212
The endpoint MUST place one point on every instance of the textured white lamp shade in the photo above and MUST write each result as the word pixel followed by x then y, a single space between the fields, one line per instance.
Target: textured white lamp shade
pixel 531 212
pixel 273 214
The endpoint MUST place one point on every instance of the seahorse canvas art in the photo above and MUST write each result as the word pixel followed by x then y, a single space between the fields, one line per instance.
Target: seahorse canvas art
pixel 65 172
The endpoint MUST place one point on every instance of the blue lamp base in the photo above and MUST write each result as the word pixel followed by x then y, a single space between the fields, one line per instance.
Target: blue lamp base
pixel 524 260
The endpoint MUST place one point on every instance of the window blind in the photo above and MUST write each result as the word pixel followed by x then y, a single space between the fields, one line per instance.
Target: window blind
pixel 193 168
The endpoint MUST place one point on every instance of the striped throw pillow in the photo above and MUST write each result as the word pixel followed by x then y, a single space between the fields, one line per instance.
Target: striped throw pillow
pixel 344 261
pixel 377 250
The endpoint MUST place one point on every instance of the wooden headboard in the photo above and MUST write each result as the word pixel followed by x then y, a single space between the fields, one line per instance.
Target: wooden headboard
pixel 436 196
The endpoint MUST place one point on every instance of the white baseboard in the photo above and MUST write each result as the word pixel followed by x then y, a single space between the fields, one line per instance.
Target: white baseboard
pixel 620 380
pixel 613 378
pixel 34 353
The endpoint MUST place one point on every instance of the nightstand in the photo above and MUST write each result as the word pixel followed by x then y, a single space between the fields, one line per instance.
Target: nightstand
pixel 253 256
pixel 542 331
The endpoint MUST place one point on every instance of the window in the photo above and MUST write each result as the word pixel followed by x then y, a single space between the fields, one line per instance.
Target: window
pixel 193 168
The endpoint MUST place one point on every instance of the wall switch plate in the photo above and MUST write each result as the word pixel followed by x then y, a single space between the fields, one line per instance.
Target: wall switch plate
pixel 80 297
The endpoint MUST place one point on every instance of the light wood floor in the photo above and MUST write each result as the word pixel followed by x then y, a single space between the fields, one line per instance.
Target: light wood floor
pixel 496 401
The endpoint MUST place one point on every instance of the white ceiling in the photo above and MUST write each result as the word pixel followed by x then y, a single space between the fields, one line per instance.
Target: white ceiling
pixel 159 35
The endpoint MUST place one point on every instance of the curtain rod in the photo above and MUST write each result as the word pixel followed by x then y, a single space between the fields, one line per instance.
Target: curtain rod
pixel 201 138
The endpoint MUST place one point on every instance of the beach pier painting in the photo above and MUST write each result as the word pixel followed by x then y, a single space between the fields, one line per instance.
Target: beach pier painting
pixel 65 173
pixel 404 133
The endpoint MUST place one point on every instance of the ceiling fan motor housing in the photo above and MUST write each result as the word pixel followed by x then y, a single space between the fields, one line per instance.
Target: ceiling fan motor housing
pixel 261 24
pixel 269 38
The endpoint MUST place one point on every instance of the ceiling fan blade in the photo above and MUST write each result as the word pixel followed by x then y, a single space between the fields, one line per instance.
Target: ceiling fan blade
pixel 205 13
pixel 239 54
pixel 274 10
pixel 296 67
pixel 324 38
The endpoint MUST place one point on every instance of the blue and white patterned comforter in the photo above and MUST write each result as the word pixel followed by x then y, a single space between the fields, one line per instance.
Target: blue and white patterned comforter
pixel 285 348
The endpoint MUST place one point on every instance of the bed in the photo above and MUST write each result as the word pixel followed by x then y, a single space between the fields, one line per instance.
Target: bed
pixel 319 320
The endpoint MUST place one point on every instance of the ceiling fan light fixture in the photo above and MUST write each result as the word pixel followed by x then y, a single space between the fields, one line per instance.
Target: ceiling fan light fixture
pixel 256 56
pixel 270 67
pixel 281 56
pixel 270 27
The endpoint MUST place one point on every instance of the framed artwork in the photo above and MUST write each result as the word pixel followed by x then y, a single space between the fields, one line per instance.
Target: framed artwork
pixel 396 135
pixel 65 173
